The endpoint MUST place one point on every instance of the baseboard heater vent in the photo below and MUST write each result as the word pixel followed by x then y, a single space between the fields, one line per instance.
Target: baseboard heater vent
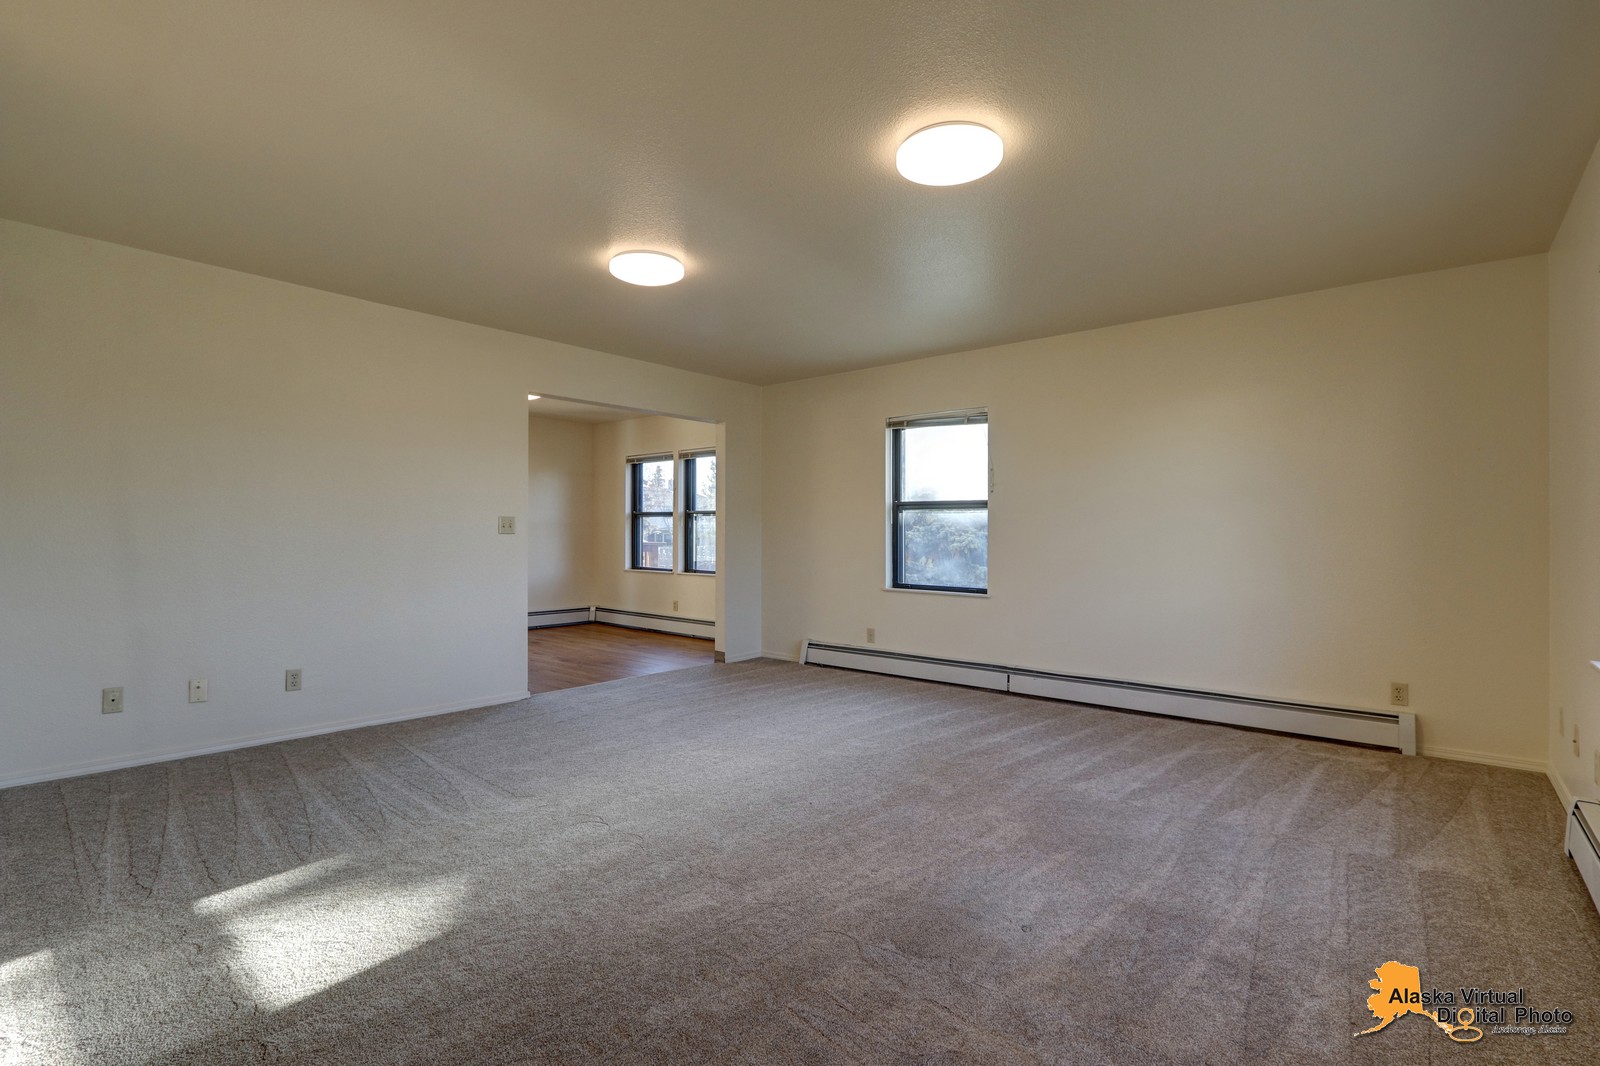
pixel 660 623
pixel 1583 844
pixel 1379 728
pixel 561 616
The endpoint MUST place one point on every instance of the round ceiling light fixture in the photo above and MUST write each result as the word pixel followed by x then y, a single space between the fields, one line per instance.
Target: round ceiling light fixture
pixel 950 153
pixel 646 268
pixel 533 396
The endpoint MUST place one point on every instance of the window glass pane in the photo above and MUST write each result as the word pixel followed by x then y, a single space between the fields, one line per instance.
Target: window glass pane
pixel 944 462
pixel 655 543
pixel 705 542
pixel 948 548
pixel 655 487
pixel 703 487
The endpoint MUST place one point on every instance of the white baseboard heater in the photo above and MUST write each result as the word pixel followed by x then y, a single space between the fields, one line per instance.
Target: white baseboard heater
pixel 561 616
pixel 660 623
pixel 1382 729
pixel 1583 844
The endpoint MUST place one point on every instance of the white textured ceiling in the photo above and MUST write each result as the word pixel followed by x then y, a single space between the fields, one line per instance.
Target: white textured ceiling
pixel 480 160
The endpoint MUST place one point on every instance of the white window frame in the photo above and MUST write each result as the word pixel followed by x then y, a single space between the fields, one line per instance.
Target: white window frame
pixel 895 428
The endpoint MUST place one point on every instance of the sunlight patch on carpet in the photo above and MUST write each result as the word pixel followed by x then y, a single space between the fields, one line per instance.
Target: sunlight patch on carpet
pixel 304 931
pixel 33 1012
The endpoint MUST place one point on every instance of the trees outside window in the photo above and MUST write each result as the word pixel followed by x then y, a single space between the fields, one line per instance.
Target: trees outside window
pixel 650 507
pixel 700 513
pixel 656 513
pixel 939 502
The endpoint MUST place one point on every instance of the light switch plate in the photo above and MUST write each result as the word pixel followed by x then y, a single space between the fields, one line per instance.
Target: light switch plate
pixel 508 523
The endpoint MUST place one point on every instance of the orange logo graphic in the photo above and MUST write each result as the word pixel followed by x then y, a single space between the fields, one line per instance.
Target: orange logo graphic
pixel 1398 992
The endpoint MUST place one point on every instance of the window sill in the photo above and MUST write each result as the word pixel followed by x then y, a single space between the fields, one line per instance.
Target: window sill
pixel 667 573
pixel 940 592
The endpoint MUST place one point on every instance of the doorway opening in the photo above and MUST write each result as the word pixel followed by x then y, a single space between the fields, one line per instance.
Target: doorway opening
pixel 622 540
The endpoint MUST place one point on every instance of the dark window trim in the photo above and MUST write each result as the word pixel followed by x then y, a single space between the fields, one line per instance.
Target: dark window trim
pixel 689 515
pixel 636 517
pixel 898 507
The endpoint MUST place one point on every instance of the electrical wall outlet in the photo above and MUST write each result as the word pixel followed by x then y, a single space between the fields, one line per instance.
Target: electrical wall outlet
pixel 198 690
pixel 111 701
pixel 508 523
pixel 291 681
pixel 1399 694
pixel 674 606
pixel 872 635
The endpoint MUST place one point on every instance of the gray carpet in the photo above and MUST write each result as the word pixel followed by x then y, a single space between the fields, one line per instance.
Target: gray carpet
pixel 766 863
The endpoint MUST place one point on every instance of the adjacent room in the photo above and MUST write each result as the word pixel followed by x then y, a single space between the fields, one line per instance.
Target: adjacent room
pixel 622 543
pixel 864 533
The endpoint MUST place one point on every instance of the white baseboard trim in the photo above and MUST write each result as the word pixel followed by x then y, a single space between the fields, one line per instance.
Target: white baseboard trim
pixel 99 766
pixel 561 616
pixel 781 656
pixel 1486 758
pixel 659 623
pixel 1567 798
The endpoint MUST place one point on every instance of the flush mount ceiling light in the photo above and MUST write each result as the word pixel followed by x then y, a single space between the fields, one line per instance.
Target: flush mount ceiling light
pixel 533 396
pixel 951 153
pixel 646 268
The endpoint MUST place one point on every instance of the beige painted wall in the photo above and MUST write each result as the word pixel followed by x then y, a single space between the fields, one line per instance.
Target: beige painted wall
pixel 614 584
pixel 1306 498
pixel 1575 492
pixel 208 473
pixel 560 531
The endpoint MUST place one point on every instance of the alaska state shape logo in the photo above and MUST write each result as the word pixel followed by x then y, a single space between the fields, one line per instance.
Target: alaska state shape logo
pixel 1397 991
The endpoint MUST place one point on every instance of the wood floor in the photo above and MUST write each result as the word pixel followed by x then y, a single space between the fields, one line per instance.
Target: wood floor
pixel 569 656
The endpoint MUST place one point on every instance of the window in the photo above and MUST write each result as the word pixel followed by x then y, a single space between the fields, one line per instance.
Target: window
pixel 650 507
pixel 939 502
pixel 655 511
pixel 700 513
